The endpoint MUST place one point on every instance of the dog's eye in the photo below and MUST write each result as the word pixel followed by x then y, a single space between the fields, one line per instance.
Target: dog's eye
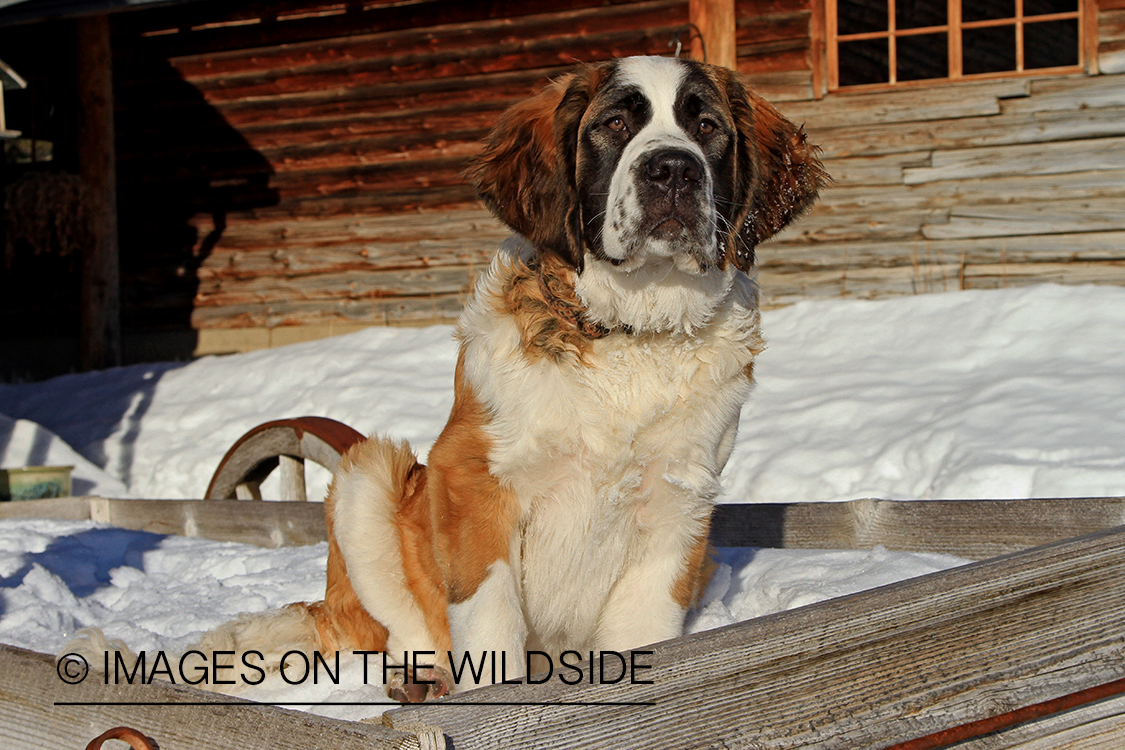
pixel 707 127
pixel 616 124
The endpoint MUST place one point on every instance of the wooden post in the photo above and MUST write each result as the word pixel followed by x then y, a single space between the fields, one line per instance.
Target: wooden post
pixel 717 25
pixel 100 343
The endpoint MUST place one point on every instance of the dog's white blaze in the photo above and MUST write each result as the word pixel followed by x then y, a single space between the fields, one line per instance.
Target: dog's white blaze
pixel 659 80
pixel 365 528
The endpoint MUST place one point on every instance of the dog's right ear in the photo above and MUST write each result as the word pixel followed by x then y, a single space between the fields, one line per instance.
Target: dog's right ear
pixel 526 173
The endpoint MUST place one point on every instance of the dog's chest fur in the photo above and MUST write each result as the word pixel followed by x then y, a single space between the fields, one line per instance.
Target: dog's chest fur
pixel 605 451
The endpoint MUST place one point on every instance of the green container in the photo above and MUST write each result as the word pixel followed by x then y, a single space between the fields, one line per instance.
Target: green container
pixel 35 482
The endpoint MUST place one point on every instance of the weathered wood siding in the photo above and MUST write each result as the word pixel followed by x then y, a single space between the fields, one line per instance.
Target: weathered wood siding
pixel 300 163
pixel 975 185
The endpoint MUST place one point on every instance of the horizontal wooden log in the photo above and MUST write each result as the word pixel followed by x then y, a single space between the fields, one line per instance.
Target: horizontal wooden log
pixel 794 85
pixel 222 291
pixel 1003 275
pixel 1058 249
pixel 868 171
pixel 421 310
pixel 1071 93
pixel 993 130
pixel 786 55
pixel 869 670
pixel 908 105
pixel 468 91
pixel 1111 25
pixel 1031 218
pixel 755 8
pixel 1111 57
pixel 975 529
pixel 771 27
pixel 41 712
pixel 1048 158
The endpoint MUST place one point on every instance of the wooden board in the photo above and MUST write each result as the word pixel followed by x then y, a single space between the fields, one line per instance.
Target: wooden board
pixel 1045 158
pixel 974 529
pixel 868 670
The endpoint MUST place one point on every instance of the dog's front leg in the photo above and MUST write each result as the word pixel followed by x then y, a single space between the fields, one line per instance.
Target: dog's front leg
pixel 650 599
pixel 488 630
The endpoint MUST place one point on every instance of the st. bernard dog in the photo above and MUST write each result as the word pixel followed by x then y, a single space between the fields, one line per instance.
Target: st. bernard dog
pixel 604 359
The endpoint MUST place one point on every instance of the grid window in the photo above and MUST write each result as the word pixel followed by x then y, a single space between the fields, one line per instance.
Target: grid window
pixel 888 42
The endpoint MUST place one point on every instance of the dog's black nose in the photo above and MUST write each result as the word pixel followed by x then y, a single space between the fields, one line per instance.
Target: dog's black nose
pixel 674 169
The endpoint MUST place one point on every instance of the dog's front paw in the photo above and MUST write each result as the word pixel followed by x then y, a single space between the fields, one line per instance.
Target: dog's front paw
pixel 428 683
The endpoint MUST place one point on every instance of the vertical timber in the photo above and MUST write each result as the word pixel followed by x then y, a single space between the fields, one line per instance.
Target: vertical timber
pixel 100 305
pixel 715 21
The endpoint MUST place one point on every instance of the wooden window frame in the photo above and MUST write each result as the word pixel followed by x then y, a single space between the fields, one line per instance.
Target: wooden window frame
pixel 1086 15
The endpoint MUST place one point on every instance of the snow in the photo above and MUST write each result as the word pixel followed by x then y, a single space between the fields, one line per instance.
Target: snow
pixel 979 394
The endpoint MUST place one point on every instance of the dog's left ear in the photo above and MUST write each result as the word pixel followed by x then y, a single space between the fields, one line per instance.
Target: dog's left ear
pixel 779 172
pixel 526 173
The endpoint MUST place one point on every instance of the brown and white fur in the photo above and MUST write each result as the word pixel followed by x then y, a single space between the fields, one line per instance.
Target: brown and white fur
pixel 604 359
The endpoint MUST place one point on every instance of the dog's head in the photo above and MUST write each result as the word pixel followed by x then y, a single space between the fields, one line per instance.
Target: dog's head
pixel 648 163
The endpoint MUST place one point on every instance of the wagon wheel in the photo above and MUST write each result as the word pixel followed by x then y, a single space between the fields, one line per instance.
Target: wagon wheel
pixel 285 443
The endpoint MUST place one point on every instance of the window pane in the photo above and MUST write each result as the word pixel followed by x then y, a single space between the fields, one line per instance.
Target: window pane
pixel 922 56
pixel 988 50
pixel 985 10
pixel 914 14
pixel 859 16
pixel 1050 44
pixel 864 61
pixel 1043 7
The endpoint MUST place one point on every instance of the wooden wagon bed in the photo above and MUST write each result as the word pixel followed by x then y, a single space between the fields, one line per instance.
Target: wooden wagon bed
pixel 1021 650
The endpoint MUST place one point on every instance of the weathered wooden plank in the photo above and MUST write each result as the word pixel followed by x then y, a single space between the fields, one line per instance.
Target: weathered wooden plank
pixel 422 310
pixel 975 529
pixel 1071 93
pixel 908 105
pixel 868 670
pixel 1057 248
pixel 1047 158
pixel 772 27
pixel 1032 217
pixel 1111 57
pixel 350 257
pixel 867 171
pixel 995 130
pixel 1000 275
pixel 420 226
pixel 1111 25
pixel 829 225
pixel 221 291
pixel 263 524
pixel 41 712
pixel 786 86
pixel 1093 187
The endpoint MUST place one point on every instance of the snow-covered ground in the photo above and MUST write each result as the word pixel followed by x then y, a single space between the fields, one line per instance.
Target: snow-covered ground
pixel 1009 393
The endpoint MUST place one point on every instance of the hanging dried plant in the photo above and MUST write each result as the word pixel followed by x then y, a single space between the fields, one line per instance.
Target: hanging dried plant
pixel 46 210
